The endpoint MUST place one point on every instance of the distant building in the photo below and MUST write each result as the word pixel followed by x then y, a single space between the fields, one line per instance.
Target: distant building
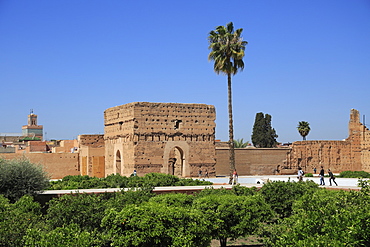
pixel 32 129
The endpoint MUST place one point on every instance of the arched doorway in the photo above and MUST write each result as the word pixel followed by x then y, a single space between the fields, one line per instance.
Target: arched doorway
pixel 176 162
pixel 118 162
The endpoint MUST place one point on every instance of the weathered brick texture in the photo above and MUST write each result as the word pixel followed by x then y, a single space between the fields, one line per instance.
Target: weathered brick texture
pixel 171 138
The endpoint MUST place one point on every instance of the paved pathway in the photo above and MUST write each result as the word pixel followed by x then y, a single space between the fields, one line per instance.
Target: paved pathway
pixel 222 182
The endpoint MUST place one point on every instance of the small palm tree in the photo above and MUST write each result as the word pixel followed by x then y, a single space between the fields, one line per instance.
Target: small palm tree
pixel 227 52
pixel 303 129
pixel 239 143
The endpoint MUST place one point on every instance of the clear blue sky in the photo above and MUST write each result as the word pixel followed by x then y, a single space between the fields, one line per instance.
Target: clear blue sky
pixel 70 60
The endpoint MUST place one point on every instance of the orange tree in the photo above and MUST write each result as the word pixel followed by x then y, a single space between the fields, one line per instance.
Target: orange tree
pixel 233 216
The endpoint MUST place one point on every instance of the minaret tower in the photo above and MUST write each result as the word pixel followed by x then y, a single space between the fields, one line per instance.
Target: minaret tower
pixel 32 129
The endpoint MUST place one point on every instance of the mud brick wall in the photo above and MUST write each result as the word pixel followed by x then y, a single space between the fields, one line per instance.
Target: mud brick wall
pixel 91 155
pixel 351 154
pixel 148 137
pixel 251 161
pixel 57 165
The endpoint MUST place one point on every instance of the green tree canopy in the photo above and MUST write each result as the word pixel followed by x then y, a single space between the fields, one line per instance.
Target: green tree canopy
pixel 263 136
pixel 303 129
pixel 325 218
pixel 16 219
pixel 233 216
pixel 157 224
pixel 19 177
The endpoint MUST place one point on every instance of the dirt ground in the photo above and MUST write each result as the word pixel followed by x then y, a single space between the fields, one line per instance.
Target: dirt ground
pixel 251 241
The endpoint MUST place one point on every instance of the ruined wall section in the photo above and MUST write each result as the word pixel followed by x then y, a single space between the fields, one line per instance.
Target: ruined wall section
pixel 352 154
pixel 359 136
pixel 57 165
pixel 119 127
pixel 163 126
pixel 335 155
pixel 146 133
pixel 355 137
pixel 252 161
pixel 92 155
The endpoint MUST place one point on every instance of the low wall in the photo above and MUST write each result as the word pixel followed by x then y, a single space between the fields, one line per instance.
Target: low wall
pixel 251 161
pixel 57 165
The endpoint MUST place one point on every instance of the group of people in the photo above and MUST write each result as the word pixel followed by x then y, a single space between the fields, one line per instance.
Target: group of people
pixel 321 174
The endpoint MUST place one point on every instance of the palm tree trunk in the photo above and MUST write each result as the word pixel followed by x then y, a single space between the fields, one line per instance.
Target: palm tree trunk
pixel 231 129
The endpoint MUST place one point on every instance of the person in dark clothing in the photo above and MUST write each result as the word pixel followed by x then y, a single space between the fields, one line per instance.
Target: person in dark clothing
pixel 331 177
pixel 322 174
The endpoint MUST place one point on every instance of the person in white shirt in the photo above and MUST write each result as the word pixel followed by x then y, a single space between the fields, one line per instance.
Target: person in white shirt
pixel 300 174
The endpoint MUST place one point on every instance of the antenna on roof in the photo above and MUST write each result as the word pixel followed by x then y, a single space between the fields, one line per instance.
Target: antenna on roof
pixel 363 122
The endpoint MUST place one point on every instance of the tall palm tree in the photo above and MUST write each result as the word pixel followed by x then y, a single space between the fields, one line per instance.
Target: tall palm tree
pixel 227 51
pixel 303 129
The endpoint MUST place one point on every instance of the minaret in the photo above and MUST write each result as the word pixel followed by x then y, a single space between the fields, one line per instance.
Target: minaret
pixel 32 129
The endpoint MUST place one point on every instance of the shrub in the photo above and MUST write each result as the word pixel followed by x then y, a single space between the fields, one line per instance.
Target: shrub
pixel 69 235
pixel 354 174
pixel 157 224
pixel 19 177
pixel 325 218
pixel 16 218
pixel 281 195
pixel 118 181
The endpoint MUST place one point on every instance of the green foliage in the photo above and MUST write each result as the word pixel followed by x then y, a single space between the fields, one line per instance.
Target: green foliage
pixel 87 210
pixel 233 216
pixel 118 181
pixel 69 235
pixel 172 199
pixel 354 174
pixel 308 175
pixel 325 218
pixel 157 224
pixel 227 49
pixel 239 143
pixel 16 218
pixel 263 136
pixel 303 129
pixel 243 191
pixel 281 195
pixel 135 196
pixel 19 177
pixel 84 210
pixel 213 191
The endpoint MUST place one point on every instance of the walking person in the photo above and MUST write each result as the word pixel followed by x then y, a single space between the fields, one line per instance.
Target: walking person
pixel 235 177
pixel 314 170
pixel 331 177
pixel 322 174
pixel 300 174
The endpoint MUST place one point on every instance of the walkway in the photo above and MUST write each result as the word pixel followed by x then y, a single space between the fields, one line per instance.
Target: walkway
pixel 222 182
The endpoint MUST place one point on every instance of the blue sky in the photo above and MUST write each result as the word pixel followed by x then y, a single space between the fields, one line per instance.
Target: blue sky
pixel 71 60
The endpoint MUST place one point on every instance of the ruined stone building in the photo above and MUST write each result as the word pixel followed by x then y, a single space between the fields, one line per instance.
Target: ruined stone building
pixel 169 138
pixel 351 154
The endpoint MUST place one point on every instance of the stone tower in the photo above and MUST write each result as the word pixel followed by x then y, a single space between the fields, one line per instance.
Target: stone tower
pixel 169 138
pixel 32 129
